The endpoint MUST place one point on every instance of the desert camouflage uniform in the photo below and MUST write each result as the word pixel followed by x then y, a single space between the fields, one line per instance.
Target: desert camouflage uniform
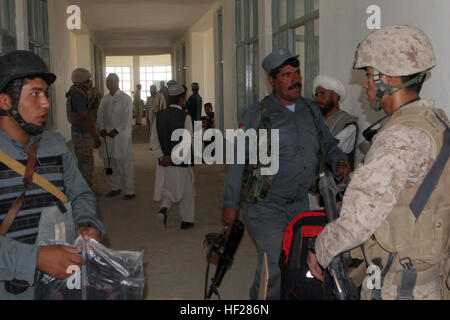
pixel 84 146
pixel 400 157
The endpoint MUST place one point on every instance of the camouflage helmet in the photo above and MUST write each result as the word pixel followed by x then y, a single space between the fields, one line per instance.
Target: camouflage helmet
pixel 80 75
pixel 396 51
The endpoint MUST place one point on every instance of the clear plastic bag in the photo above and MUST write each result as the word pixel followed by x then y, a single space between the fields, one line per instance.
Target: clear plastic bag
pixel 107 275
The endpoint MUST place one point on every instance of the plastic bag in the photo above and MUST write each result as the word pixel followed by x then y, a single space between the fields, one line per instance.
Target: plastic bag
pixel 107 275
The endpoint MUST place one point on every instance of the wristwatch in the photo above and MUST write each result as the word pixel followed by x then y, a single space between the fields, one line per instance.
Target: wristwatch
pixel 312 244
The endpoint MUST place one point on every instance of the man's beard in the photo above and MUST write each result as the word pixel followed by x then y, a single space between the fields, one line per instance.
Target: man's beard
pixel 327 107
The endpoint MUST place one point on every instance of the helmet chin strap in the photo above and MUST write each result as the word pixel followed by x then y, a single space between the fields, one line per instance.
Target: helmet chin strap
pixel 30 128
pixel 383 88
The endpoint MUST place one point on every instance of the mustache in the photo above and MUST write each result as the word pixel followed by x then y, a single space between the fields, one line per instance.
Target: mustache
pixel 297 84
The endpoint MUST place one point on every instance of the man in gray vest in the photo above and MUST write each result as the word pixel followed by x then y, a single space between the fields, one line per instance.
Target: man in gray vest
pixel 175 181
pixel 329 93
pixel 284 195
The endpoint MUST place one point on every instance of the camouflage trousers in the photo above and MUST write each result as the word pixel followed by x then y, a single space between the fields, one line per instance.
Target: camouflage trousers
pixel 84 150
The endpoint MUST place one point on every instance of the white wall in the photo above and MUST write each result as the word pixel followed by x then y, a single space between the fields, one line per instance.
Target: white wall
pixel 68 50
pixel 343 27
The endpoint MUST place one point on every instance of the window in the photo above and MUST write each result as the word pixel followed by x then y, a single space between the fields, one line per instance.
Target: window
pixel 247 56
pixel 296 27
pixel 39 41
pixel 180 61
pixel 153 75
pixel 124 74
pixel 7 26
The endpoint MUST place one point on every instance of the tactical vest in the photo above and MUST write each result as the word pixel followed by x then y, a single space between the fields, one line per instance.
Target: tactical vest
pixel 74 117
pixel 404 241
pixel 338 122
pixel 25 226
pixel 167 121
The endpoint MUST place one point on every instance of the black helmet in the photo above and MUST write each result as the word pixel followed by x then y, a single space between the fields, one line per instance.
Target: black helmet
pixel 22 64
pixel 15 66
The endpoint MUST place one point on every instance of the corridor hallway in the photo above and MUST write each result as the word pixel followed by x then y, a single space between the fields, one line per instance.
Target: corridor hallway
pixel 174 260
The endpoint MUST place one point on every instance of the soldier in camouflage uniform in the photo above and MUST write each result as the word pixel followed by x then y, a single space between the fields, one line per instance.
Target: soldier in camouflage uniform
pixel 397 204
pixel 82 113
pixel 272 201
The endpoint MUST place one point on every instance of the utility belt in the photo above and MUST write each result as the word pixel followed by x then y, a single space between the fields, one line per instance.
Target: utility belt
pixel 403 273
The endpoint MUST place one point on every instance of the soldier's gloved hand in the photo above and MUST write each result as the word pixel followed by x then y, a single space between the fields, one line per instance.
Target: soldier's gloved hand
pixel 55 260
pixel 343 169
pixel 103 133
pixel 228 217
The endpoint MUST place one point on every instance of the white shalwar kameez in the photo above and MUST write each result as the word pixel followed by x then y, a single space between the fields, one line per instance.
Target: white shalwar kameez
pixel 174 184
pixel 116 112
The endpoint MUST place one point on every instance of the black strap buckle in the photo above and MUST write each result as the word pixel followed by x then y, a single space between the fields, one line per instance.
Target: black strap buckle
pixel 406 263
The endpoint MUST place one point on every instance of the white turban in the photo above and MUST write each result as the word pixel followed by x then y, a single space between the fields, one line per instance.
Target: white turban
pixel 329 83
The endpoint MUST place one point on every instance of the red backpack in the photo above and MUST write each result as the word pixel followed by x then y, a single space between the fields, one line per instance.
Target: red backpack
pixel 297 283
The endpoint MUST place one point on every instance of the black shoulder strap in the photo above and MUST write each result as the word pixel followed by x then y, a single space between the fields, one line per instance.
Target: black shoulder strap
pixel 320 137
pixel 429 183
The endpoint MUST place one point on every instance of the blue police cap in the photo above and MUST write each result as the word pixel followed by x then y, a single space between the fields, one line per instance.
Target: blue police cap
pixel 276 59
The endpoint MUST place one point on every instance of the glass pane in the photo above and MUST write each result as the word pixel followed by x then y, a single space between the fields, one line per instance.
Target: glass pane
pixel 149 69
pixel 126 77
pixel 45 21
pixel 280 40
pixel 240 64
pixel 316 27
pixel 300 47
pixel 159 69
pixel 159 76
pixel 109 69
pixel 282 12
pixel 30 19
pixel 316 4
pixel 169 68
pixel 126 70
pixel 7 43
pixel 126 85
pixel 251 21
pixel 299 8
pixel 141 70
pixel 150 76
pixel 255 72
pixel 142 76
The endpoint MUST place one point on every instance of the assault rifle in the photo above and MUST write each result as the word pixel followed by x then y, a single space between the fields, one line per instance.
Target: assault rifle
pixel 222 248
pixel 343 286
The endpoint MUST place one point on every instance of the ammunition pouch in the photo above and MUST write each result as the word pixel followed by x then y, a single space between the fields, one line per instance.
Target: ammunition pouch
pixel 255 186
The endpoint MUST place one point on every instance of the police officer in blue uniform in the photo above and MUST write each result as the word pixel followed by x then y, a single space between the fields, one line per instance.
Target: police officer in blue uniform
pixel 24 106
pixel 301 132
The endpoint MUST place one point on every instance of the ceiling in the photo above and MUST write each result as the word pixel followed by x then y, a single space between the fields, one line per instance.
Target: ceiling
pixel 140 27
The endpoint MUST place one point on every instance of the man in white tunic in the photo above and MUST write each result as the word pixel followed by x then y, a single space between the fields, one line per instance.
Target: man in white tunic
pixel 114 123
pixel 177 182
pixel 329 93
